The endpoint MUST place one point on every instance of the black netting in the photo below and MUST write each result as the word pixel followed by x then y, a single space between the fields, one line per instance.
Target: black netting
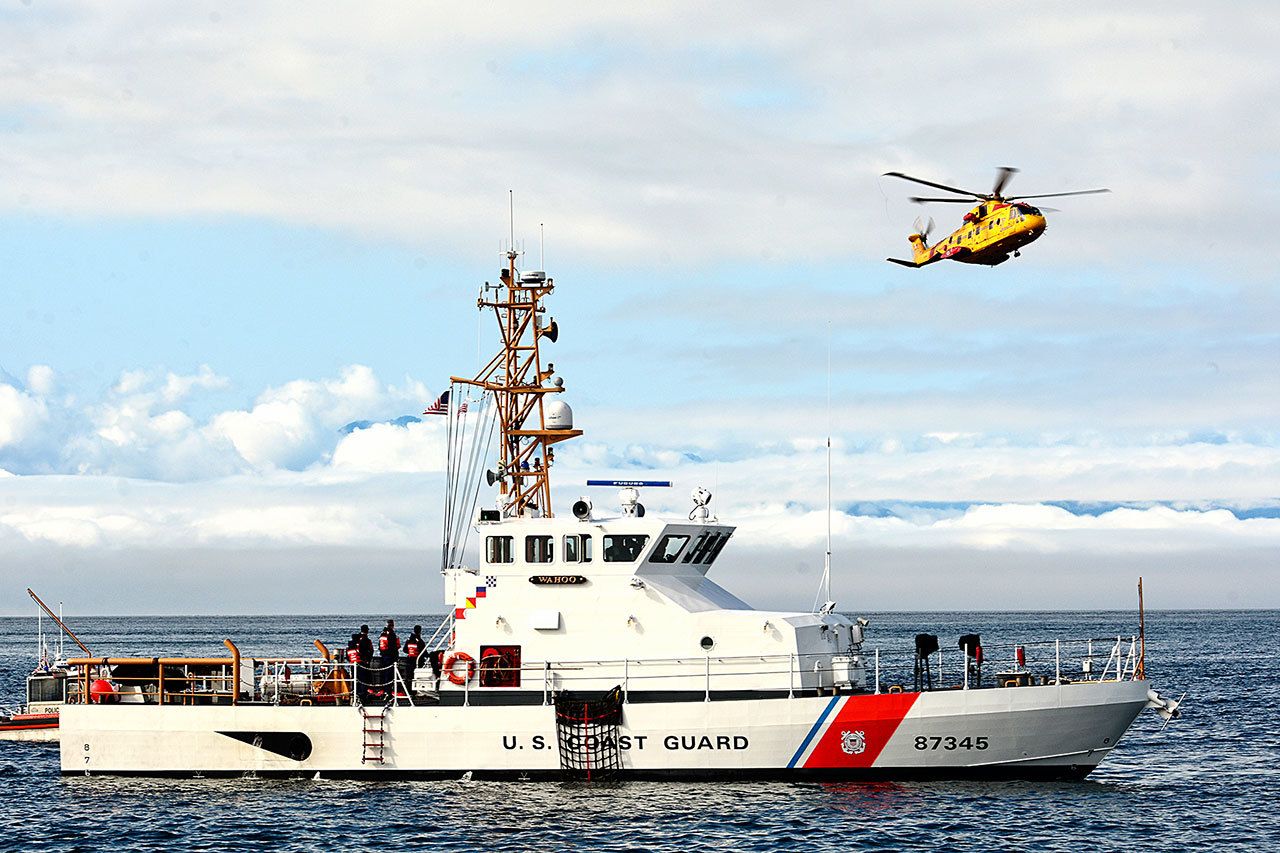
pixel 587 733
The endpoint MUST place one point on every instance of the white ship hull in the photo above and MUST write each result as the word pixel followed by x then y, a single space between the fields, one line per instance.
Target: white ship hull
pixel 1058 731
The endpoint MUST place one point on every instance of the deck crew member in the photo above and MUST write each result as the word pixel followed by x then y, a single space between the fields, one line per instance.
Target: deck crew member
pixel 388 652
pixel 366 657
pixel 353 658
pixel 412 648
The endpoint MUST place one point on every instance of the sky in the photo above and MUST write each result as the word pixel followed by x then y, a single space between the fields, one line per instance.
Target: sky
pixel 228 231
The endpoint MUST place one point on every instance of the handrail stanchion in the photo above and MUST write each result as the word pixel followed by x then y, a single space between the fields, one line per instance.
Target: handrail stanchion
pixel 877 669
pixel 546 682
pixel 626 679
pixel 1057 662
pixel 966 666
pixel 791 676
pixel 707 698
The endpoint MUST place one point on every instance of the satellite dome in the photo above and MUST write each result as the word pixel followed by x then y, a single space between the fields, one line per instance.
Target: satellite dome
pixel 558 415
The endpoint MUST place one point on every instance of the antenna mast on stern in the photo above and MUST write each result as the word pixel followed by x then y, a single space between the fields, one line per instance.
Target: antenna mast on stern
pixel 529 424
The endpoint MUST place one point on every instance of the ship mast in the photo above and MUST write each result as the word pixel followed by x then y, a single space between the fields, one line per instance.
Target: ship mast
pixel 520 385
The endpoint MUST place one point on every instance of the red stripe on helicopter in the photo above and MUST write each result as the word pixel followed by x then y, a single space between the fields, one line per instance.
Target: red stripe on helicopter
pixel 861 729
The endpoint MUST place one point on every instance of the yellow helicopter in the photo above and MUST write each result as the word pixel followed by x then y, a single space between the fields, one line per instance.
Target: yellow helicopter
pixel 996 228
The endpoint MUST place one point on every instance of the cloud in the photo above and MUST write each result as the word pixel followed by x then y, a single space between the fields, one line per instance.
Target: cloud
pixel 760 137
pixel 21 415
pixel 333 465
pixel 380 448
pixel 150 425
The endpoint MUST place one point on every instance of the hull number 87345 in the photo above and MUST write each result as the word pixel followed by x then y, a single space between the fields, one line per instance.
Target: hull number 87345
pixel 951 742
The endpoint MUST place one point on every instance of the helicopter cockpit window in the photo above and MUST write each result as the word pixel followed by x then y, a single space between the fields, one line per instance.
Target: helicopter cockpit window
pixel 623 549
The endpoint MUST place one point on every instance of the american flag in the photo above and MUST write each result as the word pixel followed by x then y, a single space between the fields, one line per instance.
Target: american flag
pixel 441 406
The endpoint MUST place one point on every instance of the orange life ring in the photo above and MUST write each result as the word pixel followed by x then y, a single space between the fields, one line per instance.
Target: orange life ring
pixel 453 674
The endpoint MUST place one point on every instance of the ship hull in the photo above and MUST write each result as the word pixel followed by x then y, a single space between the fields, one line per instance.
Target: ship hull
pixel 1055 731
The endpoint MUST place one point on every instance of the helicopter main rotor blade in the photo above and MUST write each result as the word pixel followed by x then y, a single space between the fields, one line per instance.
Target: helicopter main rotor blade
pixel 1003 174
pixel 1059 195
pixel 932 184
pixel 918 200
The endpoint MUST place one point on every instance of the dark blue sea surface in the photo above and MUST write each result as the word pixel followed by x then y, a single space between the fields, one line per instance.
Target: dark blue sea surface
pixel 1208 781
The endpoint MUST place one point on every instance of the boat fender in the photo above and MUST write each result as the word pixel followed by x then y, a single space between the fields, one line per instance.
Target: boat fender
pixel 455 676
pixel 102 691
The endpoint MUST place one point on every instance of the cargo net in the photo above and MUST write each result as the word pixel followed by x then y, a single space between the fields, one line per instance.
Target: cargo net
pixel 587 732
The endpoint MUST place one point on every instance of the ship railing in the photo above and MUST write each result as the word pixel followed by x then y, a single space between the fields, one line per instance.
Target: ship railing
pixel 305 681
pixel 212 680
pixel 159 680
pixel 705 673
pixel 443 636
pixel 1004 665
pixel 1059 661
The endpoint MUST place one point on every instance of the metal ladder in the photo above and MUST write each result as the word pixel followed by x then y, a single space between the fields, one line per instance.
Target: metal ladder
pixel 374 725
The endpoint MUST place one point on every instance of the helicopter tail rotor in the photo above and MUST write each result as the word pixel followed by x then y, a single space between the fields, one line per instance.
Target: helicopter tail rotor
pixel 923 227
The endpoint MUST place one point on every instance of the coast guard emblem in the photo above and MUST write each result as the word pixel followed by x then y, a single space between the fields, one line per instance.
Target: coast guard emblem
pixel 853 743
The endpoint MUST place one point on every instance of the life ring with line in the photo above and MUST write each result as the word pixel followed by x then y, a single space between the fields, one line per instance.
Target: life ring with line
pixel 453 674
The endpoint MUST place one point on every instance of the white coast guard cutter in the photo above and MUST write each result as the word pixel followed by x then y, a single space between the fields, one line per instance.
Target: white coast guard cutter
pixel 592 644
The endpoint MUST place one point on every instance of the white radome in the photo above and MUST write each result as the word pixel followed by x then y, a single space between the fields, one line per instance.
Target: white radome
pixel 558 415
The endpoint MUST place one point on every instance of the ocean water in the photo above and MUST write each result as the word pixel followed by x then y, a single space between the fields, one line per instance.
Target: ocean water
pixel 1208 781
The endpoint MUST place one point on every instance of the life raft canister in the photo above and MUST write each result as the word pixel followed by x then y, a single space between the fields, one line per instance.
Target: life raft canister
pixel 455 676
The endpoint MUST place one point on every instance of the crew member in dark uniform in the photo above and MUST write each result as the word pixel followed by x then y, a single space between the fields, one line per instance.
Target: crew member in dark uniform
pixel 353 658
pixel 412 648
pixel 366 657
pixel 388 652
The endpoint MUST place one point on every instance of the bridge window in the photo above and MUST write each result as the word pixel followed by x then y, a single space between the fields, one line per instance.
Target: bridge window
pixel 497 549
pixel 706 542
pixel 537 549
pixel 716 549
pixel 669 547
pixel 623 549
pixel 577 548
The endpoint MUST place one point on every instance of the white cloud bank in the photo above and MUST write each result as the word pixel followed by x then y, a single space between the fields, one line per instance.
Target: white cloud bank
pixel 140 472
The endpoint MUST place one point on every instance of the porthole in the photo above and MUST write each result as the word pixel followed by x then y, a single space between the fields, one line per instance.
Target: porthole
pixel 707 644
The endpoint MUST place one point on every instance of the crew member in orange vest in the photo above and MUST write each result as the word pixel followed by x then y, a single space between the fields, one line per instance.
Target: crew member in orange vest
pixel 388 652
pixel 353 658
pixel 413 647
